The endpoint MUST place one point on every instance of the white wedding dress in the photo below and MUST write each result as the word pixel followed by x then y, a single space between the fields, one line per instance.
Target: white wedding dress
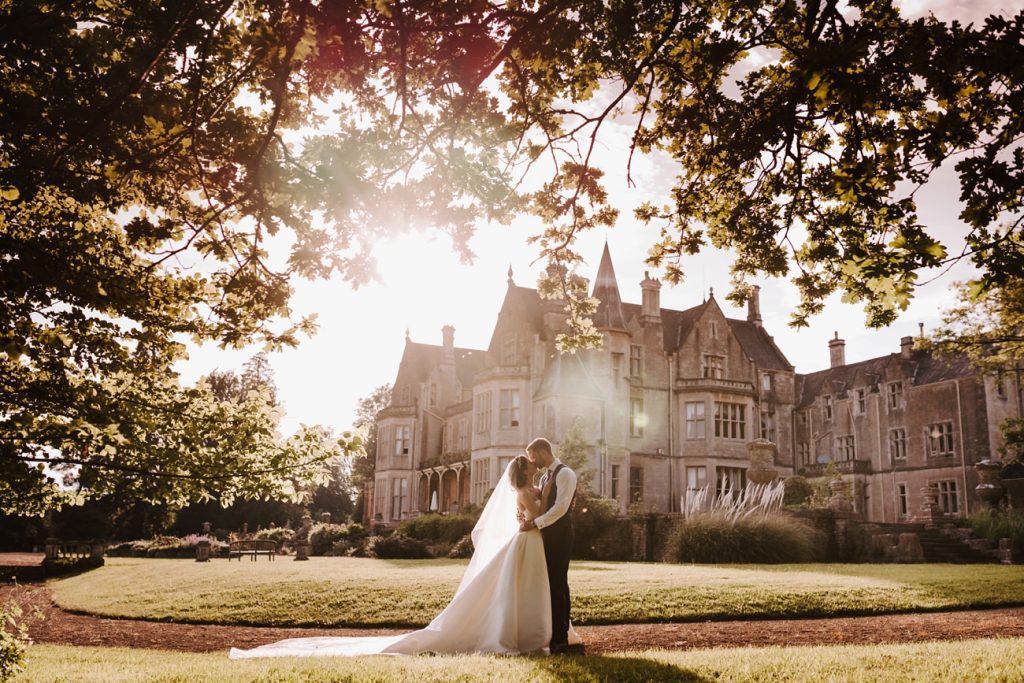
pixel 502 605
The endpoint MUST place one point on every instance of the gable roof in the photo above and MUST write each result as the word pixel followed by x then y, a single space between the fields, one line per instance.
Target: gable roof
pixel 418 360
pixel 921 368
pixel 758 345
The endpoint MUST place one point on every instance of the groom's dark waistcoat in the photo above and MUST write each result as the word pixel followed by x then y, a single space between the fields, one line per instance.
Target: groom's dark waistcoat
pixel 562 525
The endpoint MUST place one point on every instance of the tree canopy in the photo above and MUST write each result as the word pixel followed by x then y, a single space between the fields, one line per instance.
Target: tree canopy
pixel 168 170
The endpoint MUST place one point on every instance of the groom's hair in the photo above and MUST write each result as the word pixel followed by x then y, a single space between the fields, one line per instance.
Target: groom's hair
pixel 541 445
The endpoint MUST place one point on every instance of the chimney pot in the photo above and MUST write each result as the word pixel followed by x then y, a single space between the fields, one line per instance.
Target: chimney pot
pixel 906 347
pixel 754 306
pixel 837 351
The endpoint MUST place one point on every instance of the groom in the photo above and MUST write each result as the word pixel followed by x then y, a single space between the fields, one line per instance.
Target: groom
pixel 559 489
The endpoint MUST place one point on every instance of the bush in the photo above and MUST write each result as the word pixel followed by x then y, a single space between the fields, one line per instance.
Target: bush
pixel 438 529
pixel 323 537
pixel 798 491
pixel 717 538
pixel 281 535
pixel 167 547
pixel 397 547
pixel 598 529
pixel 463 549
pixel 1000 524
pixel 14 641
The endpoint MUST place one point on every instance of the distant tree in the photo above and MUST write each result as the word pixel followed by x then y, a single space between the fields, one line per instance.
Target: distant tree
pixel 986 323
pixel 363 466
pixel 573 451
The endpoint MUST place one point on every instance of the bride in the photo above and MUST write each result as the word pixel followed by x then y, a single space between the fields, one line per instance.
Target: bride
pixel 502 604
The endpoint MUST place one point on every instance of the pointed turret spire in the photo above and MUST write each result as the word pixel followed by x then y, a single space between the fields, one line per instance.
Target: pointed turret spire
pixel 606 290
pixel 510 280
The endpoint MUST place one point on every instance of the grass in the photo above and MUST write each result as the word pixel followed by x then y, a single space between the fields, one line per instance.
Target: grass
pixel 975 660
pixel 363 592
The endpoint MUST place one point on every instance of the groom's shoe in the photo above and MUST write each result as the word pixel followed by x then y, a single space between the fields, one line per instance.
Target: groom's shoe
pixel 559 649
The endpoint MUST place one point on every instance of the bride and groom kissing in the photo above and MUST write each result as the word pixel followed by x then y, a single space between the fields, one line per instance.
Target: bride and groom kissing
pixel 514 595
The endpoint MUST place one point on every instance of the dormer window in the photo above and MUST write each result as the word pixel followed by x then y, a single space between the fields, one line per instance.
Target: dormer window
pixel 636 360
pixel 766 381
pixel 712 367
pixel 895 395
pixel 827 408
pixel 509 352
pixel 861 401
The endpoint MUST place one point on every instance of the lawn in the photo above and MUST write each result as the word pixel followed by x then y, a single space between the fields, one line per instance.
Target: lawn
pixel 363 592
pixel 976 660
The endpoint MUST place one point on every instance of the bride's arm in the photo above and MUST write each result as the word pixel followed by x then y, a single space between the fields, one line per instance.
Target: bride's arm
pixel 529 502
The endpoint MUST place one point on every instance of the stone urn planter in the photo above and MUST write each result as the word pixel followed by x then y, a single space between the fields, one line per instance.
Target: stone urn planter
pixel 203 551
pixel 989 488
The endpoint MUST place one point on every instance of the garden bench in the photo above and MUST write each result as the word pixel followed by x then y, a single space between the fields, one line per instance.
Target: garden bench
pixel 252 548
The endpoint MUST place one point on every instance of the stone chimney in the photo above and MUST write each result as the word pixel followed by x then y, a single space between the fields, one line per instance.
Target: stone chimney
pixel 754 306
pixel 651 306
pixel 906 347
pixel 837 351
pixel 448 353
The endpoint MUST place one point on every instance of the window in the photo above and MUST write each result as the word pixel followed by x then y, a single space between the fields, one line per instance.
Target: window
pixel 826 408
pixel 483 412
pixel 433 394
pixel 845 449
pixel 730 420
pixel 696 479
pixel 615 482
pixel 399 495
pixel 463 439
pixel 380 497
pixel 636 360
pixel 1000 385
pixel 948 502
pixel 714 329
pixel 509 408
pixel 695 420
pixel 803 417
pixel 939 437
pixel 730 481
pixel 766 381
pixel 636 484
pixel 403 395
pixel 860 405
pixel 898 444
pixel 509 351
pixel 895 395
pixel 402 440
pixel 803 452
pixel 481 479
pixel 637 419
pixel 901 500
pixel 768 425
pixel 712 367
pixel 503 461
pixel 616 367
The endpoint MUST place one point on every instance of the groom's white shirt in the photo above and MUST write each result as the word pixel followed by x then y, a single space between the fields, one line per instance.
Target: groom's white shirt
pixel 566 483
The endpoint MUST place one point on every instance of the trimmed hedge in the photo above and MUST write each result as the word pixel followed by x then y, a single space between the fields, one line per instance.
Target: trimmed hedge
pixel 438 529
pixel 718 538
pixel 397 547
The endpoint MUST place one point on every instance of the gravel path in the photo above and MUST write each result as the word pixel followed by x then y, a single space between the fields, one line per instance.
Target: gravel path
pixel 66 628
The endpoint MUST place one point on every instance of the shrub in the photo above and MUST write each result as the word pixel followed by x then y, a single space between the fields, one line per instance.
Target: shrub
pixel 323 537
pixel 1000 524
pixel 281 535
pixel 14 641
pixel 397 547
pixel 597 528
pixel 167 547
pixel 437 529
pixel 714 537
pixel 797 491
pixel 463 549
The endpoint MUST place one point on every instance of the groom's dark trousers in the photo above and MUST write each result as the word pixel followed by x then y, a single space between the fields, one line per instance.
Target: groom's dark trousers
pixel 558 538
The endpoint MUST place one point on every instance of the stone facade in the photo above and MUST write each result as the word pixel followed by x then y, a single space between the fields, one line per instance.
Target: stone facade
pixel 671 403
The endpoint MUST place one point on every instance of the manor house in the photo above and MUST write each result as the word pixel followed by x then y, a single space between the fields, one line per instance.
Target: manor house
pixel 669 405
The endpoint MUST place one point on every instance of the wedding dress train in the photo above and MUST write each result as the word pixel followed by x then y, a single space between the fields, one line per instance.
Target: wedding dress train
pixel 502 605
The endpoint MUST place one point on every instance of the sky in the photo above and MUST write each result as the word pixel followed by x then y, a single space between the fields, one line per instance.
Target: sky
pixel 423 286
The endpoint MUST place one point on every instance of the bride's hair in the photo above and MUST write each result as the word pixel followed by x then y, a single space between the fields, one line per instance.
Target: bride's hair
pixel 517 471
